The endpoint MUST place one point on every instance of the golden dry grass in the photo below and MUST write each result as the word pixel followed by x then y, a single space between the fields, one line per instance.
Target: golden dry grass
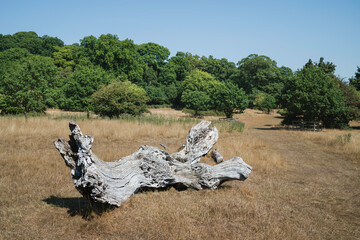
pixel 296 190
pixel 344 142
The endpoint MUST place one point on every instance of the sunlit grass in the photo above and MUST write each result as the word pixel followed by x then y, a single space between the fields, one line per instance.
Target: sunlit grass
pixel 285 197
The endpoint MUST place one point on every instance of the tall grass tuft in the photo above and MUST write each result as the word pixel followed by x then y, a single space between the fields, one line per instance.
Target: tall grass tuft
pixel 229 126
pixel 343 139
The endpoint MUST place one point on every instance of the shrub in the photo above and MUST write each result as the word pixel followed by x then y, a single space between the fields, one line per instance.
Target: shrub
pixel 119 98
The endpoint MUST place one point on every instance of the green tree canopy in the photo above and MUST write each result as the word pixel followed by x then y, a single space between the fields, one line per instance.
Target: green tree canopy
pixel 201 81
pixel 202 85
pixel 167 74
pixel 119 98
pixel 260 73
pixel 44 46
pixel 355 81
pixel 264 101
pixel 352 99
pixel 13 54
pixel 327 67
pixel 67 57
pixel 196 100
pixel 221 69
pixel 229 99
pixel 314 96
pixel 153 55
pixel 81 84
pixel 49 44
pixel 25 84
pixel 256 72
pixel 181 65
pixel 118 57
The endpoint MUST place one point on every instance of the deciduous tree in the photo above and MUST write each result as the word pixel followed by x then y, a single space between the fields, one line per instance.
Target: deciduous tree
pixel 229 99
pixel 314 96
pixel 81 84
pixel 355 81
pixel 25 84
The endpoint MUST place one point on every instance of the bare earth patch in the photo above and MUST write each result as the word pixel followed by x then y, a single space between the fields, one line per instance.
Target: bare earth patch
pixel 303 185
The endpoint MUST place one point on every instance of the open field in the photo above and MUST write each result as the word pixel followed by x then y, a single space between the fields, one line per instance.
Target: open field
pixel 303 185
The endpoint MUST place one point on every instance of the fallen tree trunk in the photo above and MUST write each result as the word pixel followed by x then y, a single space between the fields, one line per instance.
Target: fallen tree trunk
pixel 149 167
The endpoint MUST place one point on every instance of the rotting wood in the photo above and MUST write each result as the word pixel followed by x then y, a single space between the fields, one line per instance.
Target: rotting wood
pixel 147 168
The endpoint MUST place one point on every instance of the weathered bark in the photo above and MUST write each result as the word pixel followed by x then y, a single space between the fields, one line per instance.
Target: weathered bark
pixel 148 167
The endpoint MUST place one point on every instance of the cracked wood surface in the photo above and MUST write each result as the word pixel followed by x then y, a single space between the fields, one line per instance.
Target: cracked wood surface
pixel 147 168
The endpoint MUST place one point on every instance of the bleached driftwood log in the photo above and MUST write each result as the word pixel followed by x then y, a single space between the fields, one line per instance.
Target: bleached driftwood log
pixel 148 167
pixel 218 158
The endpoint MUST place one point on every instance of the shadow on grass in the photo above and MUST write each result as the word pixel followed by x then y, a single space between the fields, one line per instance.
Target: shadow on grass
pixel 275 128
pixel 79 206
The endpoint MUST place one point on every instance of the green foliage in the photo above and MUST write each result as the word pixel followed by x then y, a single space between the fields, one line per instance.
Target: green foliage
pixel 314 96
pixel 153 55
pixel 213 112
pixel 198 89
pixel 221 69
pixel 268 103
pixel 149 78
pixel 260 73
pixel 25 84
pixel 326 67
pixel 173 93
pixel 167 74
pixel 256 72
pixel 81 84
pixel 201 92
pixel 264 101
pixel 355 81
pixel 180 65
pixel 7 42
pixel 30 82
pixel 44 46
pixel 196 100
pixel 13 54
pixel 66 57
pixel 49 45
pixel 229 98
pixel 119 98
pixel 201 81
pixel 28 40
pixel 352 99
pixel 157 95
pixel 119 57
pixel 282 112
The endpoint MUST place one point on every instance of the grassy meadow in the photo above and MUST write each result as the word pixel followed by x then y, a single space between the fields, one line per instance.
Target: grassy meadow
pixel 304 185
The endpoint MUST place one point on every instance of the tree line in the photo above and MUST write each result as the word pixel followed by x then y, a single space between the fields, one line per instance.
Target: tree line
pixel 112 76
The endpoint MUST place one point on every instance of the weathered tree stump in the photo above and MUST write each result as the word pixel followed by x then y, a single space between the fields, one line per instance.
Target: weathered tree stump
pixel 149 167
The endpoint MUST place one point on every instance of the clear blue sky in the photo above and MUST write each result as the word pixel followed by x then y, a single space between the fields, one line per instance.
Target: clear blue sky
pixel 288 31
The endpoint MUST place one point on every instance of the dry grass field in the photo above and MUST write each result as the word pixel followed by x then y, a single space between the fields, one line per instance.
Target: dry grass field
pixel 303 185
